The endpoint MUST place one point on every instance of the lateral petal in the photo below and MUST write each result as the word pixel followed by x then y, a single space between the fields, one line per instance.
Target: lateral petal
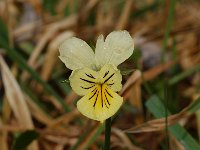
pixel 83 80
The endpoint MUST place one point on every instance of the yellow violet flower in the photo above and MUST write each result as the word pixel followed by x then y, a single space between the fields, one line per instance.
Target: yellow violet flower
pixel 95 75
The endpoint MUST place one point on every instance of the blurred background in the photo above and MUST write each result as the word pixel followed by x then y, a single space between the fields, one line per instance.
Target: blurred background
pixel 37 106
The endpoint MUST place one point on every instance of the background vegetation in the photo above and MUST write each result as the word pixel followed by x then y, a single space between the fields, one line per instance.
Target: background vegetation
pixel 162 78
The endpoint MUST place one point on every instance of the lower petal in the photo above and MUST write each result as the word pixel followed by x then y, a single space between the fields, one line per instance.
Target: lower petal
pixel 111 104
pixel 100 104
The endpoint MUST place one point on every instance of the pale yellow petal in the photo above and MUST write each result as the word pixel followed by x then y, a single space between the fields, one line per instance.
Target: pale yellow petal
pixel 76 53
pixel 107 104
pixel 83 80
pixel 111 76
pixel 85 105
pixel 118 47
pixel 101 53
pixel 100 104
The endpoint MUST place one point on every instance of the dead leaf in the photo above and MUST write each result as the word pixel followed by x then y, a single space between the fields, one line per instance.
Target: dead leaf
pixel 159 124
pixel 16 100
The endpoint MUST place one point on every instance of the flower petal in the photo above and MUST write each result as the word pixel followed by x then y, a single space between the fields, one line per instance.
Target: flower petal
pixel 118 47
pixel 83 80
pixel 111 76
pixel 76 53
pixel 100 104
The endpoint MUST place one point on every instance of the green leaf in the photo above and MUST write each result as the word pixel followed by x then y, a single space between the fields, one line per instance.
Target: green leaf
pixel 156 107
pixel 24 139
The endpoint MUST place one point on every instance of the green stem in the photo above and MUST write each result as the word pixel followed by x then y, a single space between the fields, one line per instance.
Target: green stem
pixel 107 134
pixel 168 27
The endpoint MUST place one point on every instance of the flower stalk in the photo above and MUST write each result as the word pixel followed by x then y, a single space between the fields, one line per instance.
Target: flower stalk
pixel 107 134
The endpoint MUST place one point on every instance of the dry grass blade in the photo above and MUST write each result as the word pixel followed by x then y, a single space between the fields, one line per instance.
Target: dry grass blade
pixel 135 98
pixel 158 124
pixel 61 6
pixel 84 143
pixel 124 139
pixel 12 128
pixel 154 72
pixel 147 75
pixel 37 4
pixel 15 96
pixel 52 99
pixel 123 20
pixel 70 21
pixel 26 28
pixel 6 110
pixel 37 112
pixel 50 32
pixel 71 97
pixel 104 18
pixel 16 99
pixel 175 144
pixel 56 139
pixel 6 114
pixel 132 79
pixel 9 21
pixel 59 147
pixel 64 118
pixel 85 11
pixel 3 139
pixel 50 60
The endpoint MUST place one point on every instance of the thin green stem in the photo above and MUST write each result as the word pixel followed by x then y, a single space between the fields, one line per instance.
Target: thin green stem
pixel 107 134
pixel 166 96
pixel 168 27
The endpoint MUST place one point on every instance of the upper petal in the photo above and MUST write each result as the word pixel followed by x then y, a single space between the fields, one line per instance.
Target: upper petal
pixel 76 53
pixel 118 47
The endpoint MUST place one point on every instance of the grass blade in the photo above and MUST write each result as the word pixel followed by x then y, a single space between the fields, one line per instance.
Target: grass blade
pixel 184 74
pixel 156 107
pixel 25 139
pixel 168 27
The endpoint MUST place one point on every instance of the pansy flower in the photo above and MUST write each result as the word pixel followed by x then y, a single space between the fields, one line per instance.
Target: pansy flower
pixel 95 75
